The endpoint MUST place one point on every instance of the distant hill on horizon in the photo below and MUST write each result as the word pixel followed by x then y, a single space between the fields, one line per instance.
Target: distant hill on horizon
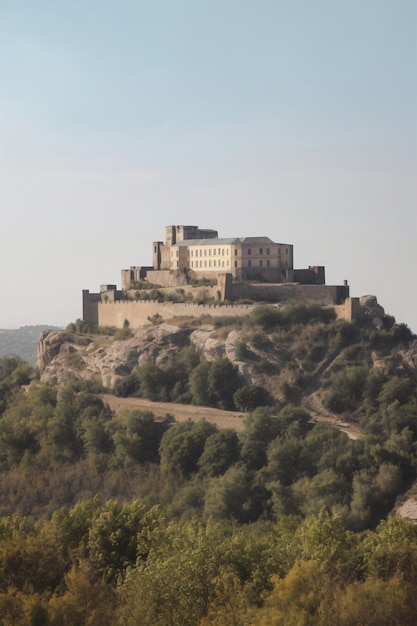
pixel 22 342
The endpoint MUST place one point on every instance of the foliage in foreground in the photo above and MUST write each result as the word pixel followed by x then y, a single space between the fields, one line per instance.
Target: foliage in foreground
pixel 195 525
pixel 112 563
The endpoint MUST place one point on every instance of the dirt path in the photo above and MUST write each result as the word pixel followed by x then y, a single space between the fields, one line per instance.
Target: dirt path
pixel 181 412
pixel 312 403
pixel 318 413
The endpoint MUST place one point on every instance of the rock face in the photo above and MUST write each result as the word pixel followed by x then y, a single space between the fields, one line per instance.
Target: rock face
pixel 62 355
pixel 371 309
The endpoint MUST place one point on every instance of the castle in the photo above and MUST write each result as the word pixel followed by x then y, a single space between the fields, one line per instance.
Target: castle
pixel 249 268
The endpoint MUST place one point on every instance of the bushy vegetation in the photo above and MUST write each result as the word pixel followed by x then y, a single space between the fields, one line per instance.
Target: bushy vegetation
pixel 185 380
pixel 125 564
pixel 135 519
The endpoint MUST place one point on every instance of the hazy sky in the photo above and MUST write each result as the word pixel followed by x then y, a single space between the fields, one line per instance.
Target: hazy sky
pixel 291 119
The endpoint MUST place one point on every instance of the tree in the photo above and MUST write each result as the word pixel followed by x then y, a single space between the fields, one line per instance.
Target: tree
pixel 214 383
pixel 113 536
pixel 249 397
pixel 87 600
pixel 183 444
pixel 221 450
pixel 138 437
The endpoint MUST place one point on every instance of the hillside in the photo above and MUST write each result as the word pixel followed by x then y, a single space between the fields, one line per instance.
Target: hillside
pixel 212 471
pixel 22 342
pixel 281 356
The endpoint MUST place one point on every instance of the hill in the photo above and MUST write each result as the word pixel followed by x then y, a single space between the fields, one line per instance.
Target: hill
pixel 22 342
pixel 212 471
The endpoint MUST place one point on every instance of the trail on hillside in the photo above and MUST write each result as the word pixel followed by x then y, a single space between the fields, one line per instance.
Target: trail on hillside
pixel 311 402
pixel 180 412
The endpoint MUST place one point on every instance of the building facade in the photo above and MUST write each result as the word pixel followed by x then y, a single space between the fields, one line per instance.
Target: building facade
pixel 202 254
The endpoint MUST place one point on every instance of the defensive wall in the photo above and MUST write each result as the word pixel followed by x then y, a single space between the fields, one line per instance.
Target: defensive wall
pixel 273 293
pixel 138 313
pixel 107 312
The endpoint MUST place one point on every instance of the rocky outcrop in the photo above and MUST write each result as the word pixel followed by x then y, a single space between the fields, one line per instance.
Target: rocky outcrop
pixel 62 355
pixel 374 311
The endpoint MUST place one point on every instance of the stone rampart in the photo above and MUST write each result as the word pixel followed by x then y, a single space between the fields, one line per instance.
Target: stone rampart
pixel 137 313
pixel 322 294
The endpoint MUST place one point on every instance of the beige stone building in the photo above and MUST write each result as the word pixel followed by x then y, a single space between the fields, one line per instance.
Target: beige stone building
pixel 201 253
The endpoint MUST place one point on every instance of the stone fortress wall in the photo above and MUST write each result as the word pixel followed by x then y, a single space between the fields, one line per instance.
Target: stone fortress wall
pixel 114 312
pixel 116 308
pixel 137 314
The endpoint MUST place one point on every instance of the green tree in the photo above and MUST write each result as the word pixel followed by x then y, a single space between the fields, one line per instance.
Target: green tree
pixel 113 536
pixel 138 437
pixel 182 446
pixel 249 397
pixel 221 450
pixel 214 383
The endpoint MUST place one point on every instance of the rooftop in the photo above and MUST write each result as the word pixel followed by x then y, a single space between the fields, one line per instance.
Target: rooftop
pixel 225 241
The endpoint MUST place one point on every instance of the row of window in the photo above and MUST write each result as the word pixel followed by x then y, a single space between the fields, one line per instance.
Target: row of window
pixel 207 252
pixel 220 263
pixel 261 251
pixel 268 263
pixel 221 252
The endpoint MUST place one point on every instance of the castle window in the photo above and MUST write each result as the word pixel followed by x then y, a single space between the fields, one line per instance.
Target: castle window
pixel 222 251
pixel 205 263
pixel 260 263
pixel 214 251
pixel 215 263
pixel 268 263
pixel 201 263
pixel 235 251
pixel 235 263
pixel 210 263
pixel 205 251
pixel 268 251
pixel 249 250
pixel 286 250
pixel 261 250
pixel 249 263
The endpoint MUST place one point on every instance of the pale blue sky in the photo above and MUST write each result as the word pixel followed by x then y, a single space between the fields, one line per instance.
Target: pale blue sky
pixel 296 120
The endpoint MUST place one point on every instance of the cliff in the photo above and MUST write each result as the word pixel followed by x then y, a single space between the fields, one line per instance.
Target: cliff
pixel 62 355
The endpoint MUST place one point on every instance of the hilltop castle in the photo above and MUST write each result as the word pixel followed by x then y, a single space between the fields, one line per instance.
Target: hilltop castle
pixel 199 253
pixel 254 268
